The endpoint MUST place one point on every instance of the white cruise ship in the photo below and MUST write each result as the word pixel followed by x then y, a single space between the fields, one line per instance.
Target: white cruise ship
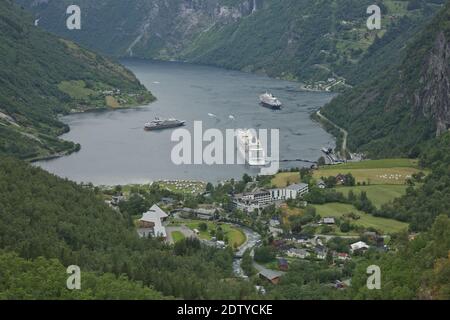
pixel 250 148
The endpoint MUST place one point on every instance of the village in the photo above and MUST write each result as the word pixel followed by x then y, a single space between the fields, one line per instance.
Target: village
pixel 273 222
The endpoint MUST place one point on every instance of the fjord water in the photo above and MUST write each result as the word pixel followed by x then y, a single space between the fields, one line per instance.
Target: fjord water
pixel 116 149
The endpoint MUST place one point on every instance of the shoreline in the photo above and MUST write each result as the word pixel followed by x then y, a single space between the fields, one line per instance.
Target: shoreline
pixel 78 147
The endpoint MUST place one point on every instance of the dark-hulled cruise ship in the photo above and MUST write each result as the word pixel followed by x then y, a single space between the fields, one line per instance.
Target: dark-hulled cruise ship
pixel 268 100
pixel 159 124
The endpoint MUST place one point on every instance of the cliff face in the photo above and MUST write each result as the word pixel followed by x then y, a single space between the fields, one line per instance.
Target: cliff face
pixel 433 98
pixel 305 40
pixel 409 103
pixel 158 29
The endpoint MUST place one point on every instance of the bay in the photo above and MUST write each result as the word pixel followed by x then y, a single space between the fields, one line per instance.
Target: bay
pixel 116 149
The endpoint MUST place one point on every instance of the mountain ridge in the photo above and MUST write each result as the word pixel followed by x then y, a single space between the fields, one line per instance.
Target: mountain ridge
pixel 302 40
pixel 405 105
pixel 43 76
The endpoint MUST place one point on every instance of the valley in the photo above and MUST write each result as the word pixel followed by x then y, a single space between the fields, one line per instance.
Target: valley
pixel 363 183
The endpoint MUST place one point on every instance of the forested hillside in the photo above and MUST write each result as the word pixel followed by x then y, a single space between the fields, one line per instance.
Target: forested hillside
pixel 42 76
pixel 306 40
pixel 404 104
pixel 420 269
pixel 45 216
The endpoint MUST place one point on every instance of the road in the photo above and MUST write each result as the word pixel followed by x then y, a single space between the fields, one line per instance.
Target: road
pixel 343 131
pixel 252 239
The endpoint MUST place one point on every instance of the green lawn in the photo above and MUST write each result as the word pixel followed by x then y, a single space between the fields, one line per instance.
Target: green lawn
pixel 337 210
pixel 177 236
pixel 235 236
pixel 76 89
pixel 378 194
pixel 376 164
pixel 374 172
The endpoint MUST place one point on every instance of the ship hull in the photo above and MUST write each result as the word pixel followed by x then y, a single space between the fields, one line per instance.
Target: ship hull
pixel 270 106
pixel 162 127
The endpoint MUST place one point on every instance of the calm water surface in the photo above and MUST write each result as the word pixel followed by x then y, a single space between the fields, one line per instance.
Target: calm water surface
pixel 116 149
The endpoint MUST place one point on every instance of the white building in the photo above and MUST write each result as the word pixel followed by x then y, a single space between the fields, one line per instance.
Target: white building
pixel 293 191
pixel 298 253
pixel 253 200
pixel 151 223
pixel 359 246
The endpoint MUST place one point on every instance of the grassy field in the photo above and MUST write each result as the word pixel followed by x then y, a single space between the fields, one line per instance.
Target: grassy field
pixel 177 236
pixel 385 171
pixel 184 187
pixel 337 210
pixel 76 89
pixel 235 236
pixel 377 164
pixel 284 179
pixel 378 194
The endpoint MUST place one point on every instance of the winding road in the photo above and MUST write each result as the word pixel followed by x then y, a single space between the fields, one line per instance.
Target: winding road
pixel 342 130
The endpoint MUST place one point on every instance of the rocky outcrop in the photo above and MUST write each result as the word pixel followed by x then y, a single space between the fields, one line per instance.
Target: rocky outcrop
pixel 433 97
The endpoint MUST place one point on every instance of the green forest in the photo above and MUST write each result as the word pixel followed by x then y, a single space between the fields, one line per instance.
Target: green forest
pixel 391 113
pixel 33 65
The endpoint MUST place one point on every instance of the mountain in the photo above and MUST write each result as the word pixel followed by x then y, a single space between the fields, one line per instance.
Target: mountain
pixel 403 104
pixel 43 76
pixel 306 40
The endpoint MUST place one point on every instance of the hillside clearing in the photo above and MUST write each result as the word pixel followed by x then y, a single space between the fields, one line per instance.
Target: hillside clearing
pixel 337 210
pixel 378 194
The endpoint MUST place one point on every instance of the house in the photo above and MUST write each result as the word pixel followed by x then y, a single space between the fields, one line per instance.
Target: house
pixel 298 253
pixel 167 201
pixel 321 253
pixel 205 214
pixel 271 275
pixel 200 213
pixel 293 191
pixel 283 265
pixel 340 178
pixel 151 223
pixel 115 200
pixel 274 222
pixel 359 246
pixel 275 232
pixel 329 221
pixel 343 256
pixel 321 184
pixel 374 238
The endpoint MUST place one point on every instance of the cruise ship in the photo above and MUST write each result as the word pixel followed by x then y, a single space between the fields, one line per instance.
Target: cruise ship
pixel 159 124
pixel 250 148
pixel 268 100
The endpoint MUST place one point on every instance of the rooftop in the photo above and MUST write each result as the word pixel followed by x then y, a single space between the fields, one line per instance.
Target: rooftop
pixel 298 186
pixel 271 274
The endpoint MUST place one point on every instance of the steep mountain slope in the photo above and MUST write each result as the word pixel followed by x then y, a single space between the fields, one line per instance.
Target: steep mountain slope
pixel 42 215
pixel 401 107
pixel 42 76
pixel 307 40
